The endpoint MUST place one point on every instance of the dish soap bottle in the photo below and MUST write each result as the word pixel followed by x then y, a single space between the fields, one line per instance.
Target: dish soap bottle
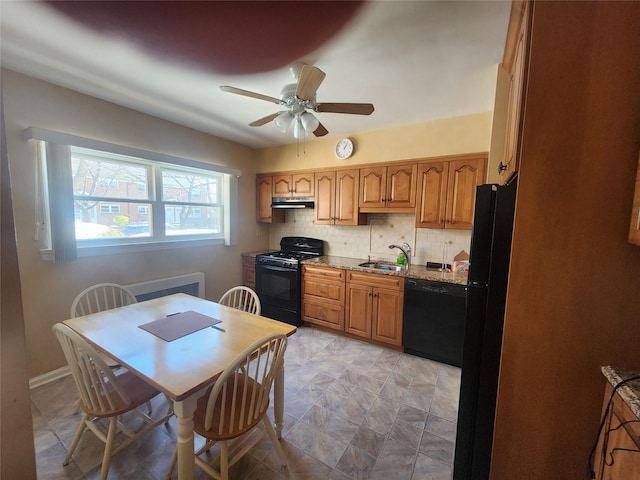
pixel 402 259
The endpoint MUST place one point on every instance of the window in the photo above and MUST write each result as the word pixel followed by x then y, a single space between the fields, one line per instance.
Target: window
pixel 121 196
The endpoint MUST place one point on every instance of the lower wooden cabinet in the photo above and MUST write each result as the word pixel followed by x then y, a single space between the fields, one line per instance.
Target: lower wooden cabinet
pixel 373 307
pixel 323 296
pixel 249 272
pixel 618 458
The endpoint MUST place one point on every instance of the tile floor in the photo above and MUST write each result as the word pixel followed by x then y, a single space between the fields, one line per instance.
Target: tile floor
pixel 352 411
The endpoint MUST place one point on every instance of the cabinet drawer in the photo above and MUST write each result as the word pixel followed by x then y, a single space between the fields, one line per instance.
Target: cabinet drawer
pixel 331 316
pixel 325 272
pixel 322 290
pixel 374 280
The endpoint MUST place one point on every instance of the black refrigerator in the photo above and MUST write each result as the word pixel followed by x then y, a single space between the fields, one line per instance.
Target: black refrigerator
pixel 486 295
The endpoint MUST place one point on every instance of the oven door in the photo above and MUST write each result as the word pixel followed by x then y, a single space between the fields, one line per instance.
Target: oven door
pixel 279 291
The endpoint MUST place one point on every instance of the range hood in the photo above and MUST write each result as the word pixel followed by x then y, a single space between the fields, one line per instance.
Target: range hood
pixel 287 202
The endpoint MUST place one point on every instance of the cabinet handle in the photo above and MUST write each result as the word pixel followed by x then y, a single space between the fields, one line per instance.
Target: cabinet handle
pixel 322 292
pixel 501 167
pixel 370 294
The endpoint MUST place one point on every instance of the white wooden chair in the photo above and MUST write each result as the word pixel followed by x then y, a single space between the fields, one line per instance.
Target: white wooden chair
pixel 100 297
pixel 236 405
pixel 104 395
pixel 241 298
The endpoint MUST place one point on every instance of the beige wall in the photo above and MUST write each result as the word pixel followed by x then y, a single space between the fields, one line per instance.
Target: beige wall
pixel 450 136
pixel 48 289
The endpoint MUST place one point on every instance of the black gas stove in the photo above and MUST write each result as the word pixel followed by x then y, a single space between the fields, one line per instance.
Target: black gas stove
pixel 278 277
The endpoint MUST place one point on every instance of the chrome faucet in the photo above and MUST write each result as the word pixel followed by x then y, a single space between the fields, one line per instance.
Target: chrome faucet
pixel 406 249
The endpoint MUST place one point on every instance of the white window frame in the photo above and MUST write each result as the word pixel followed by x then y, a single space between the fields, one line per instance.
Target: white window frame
pixel 91 247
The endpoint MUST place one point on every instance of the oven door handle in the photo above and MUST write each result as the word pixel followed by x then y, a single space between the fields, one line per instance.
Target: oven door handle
pixel 276 269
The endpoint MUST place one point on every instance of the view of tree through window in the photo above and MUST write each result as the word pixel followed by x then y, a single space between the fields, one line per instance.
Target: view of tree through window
pixel 124 198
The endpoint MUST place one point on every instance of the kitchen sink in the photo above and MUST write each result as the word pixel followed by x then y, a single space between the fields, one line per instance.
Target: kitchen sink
pixel 383 266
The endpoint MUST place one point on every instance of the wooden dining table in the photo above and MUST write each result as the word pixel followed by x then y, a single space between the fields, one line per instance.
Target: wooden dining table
pixel 183 368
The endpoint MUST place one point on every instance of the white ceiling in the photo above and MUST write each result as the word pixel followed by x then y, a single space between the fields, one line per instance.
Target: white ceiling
pixel 414 60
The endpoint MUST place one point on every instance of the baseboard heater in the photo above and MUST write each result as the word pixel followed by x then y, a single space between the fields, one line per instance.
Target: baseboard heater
pixel 191 283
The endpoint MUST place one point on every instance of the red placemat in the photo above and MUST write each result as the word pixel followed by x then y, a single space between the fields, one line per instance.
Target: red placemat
pixel 178 325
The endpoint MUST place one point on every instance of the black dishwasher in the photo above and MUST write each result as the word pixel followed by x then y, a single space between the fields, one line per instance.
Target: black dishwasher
pixel 434 315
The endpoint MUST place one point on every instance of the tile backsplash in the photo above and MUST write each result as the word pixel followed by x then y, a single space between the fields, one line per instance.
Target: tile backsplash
pixel 373 239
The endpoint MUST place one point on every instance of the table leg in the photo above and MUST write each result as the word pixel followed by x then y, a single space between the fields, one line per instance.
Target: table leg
pixel 184 413
pixel 278 399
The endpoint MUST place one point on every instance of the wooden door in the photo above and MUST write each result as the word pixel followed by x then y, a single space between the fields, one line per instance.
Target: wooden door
pixel 358 310
pixel 325 198
pixel 264 212
pixel 302 184
pixel 387 316
pixel 346 191
pixel 373 185
pixel 282 186
pixel 401 186
pixel 464 176
pixel 432 194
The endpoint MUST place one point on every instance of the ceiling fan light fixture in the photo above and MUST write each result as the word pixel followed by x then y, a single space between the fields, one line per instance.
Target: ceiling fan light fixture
pixel 298 129
pixel 309 122
pixel 283 120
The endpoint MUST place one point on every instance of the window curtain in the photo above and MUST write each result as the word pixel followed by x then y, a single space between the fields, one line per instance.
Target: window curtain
pixel 61 210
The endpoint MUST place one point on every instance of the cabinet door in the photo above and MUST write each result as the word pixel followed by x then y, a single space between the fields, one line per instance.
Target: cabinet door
pixel 509 164
pixel 282 186
pixel 302 184
pixel 264 212
pixel 346 206
pixel 618 459
pixel 432 194
pixel 464 176
pixel 401 186
pixel 358 310
pixel 373 187
pixel 249 272
pixel 325 198
pixel 387 316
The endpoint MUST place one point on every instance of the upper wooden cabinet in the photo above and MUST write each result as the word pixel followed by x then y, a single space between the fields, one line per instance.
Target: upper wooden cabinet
pixel 515 62
pixel 634 229
pixel 337 198
pixel 447 192
pixel 386 188
pixel 295 185
pixel 264 212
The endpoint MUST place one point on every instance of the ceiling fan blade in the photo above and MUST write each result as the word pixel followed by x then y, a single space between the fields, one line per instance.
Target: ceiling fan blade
pixel 354 108
pixel 263 120
pixel 310 80
pixel 247 93
pixel 320 131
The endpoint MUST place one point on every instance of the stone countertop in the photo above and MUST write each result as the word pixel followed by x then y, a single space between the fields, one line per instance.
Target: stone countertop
pixel 629 392
pixel 415 271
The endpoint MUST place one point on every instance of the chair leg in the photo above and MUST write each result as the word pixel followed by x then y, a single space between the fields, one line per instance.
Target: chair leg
pixel 172 465
pixel 76 438
pixel 272 435
pixel 224 460
pixel 106 458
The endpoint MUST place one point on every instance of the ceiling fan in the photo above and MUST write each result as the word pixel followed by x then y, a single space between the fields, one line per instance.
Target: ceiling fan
pixel 298 98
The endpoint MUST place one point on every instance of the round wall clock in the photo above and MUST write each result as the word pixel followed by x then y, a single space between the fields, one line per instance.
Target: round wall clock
pixel 344 148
